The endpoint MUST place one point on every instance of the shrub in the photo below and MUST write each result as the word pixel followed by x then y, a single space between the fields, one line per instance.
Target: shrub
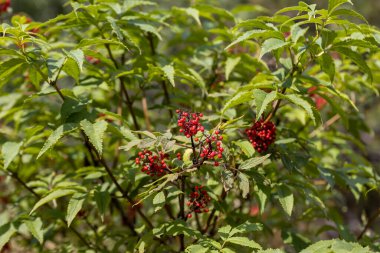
pixel 127 126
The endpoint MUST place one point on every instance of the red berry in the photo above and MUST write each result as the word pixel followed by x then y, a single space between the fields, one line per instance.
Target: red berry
pixel 262 134
pixel 189 215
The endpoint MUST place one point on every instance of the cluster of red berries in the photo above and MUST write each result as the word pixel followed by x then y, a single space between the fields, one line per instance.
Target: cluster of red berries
pixel 261 135
pixel 198 201
pixel 4 5
pixel 211 148
pixel 189 123
pixel 152 164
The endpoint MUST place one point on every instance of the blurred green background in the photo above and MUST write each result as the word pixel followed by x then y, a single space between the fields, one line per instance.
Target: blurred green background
pixel 42 10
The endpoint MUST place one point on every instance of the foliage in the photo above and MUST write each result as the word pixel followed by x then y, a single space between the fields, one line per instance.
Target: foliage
pixel 123 128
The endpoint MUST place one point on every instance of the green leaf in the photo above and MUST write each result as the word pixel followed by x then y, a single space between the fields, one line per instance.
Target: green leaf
pixel 52 195
pixel 244 241
pixel 257 34
pixel 333 4
pixel 196 249
pixel 297 100
pixel 169 73
pixel 348 12
pixel 6 232
pixel 127 5
pixel 327 65
pixel 115 28
pixel 246 147
pixel 243 184
pixel 253 162
pixel 74 63
pixel 297 32
pixel 96 41
pixel 237 99
pixel 95 133
pixel 230 65
pixel 286 199
pixel 159 201
pixel 75 205
pixel 56 135
pixel 356 58
pixel 262 100
pixel 35 228
pixel 194 13
pixel 336 245
pixel 271 251
pixel 148 28
pixel 9 152
pixel 102 199
pixel 10 66
pixel 272 44
pixel 246 227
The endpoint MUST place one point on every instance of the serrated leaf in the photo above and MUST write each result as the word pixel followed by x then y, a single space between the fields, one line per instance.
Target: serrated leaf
pixel 271 251
pixel 134 3
pixel 148 28
pixel 9 151
pixel 246 227
pixel 56 135
pixel 336 245
pixel 256 34
pixel 237 99
pixel 262 100
pixel 327 65
pixel 224 232
pixel 95 133
pixel 194 13
pixel 159 201
pixel 253 162
pixel 96 41
pixel 102 199
pixel 9 66
pixel 169 73
pixel 74 63
pixel 52 195
pixel 272 44
pixel 333 4
pixel 246 147
pixel 356 58
pixel 297 32
pixel 286 199
pixel 6 232
pixel 35 228
pixel 115 28
pixel 297 100
pixel 243 184
pixel 348 12
pixel 230 65
pixel 196 249
pixel 75 205
pixel 244 241
pixel 227 179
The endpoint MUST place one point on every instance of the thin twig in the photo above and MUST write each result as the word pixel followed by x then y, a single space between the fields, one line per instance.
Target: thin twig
pixel 369 223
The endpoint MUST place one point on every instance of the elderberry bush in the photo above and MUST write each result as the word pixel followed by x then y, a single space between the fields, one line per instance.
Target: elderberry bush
pixel 139 126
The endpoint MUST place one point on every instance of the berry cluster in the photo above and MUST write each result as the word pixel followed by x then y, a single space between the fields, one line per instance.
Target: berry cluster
pixel 189 123
pixel 4 5
pixel 152 164
pixel 261 135
pixel 198 201
pixel 211 148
